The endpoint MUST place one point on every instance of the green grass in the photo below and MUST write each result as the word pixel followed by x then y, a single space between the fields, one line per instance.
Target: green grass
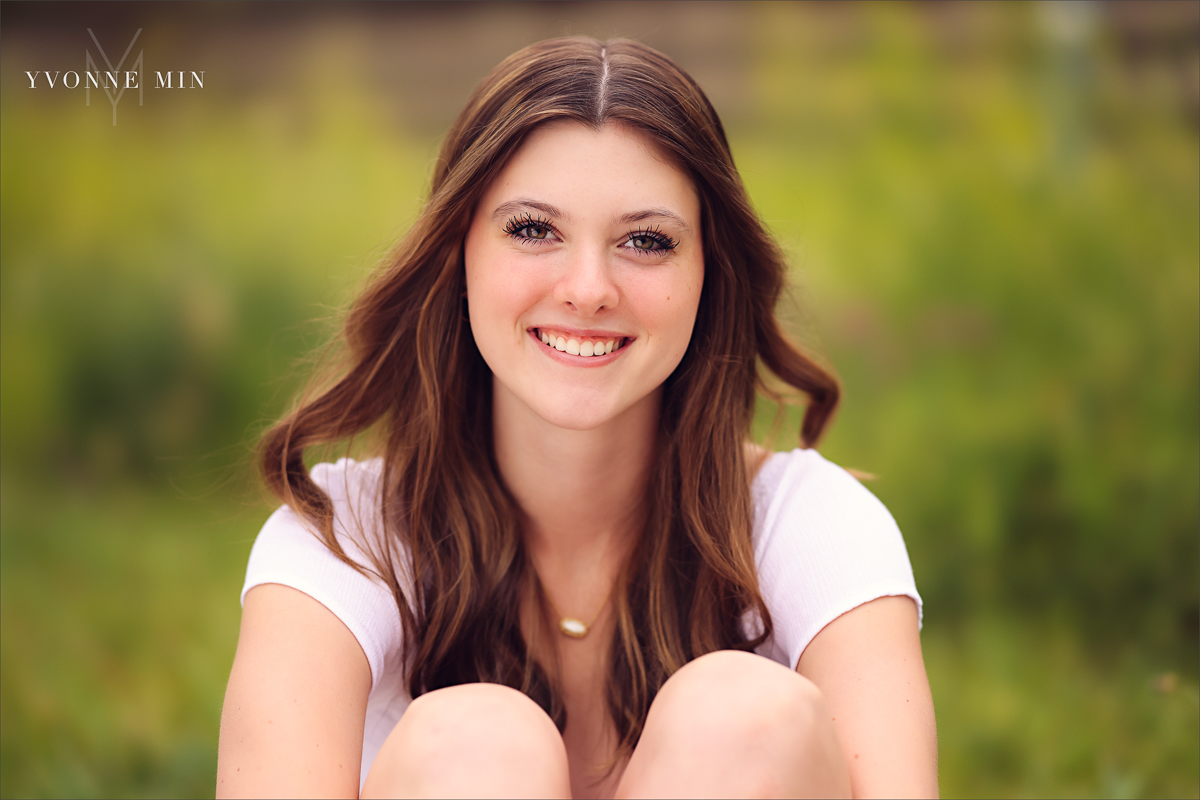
pixel 120 613
pixel 1025 710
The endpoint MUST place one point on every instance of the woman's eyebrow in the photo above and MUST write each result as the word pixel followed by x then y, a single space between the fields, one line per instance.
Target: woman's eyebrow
pixel 523 203
pixel 653 213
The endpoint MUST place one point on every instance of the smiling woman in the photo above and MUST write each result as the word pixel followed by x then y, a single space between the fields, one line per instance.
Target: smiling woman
pixel 567 571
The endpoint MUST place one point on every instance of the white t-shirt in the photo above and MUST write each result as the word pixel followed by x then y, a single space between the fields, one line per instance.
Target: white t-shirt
pixel 823 545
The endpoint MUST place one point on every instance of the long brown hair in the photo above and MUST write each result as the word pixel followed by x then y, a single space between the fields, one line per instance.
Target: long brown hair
pixel 413 374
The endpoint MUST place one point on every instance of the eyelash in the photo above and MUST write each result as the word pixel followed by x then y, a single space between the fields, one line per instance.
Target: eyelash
pixel 662 243
pixel 518 224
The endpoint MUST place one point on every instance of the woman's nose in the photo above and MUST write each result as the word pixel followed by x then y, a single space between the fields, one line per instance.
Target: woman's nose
pixel 586 284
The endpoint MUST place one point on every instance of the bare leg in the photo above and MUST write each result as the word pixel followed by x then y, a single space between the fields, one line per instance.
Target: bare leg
pixel 474 740
pixel 734 724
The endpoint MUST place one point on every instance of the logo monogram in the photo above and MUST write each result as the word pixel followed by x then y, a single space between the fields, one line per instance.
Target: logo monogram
pixel 114 72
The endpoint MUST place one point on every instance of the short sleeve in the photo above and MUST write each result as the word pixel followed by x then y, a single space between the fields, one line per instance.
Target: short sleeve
pixel 823 546
pixel 289 552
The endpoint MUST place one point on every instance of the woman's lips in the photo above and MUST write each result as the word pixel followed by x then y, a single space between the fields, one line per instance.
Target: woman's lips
pixel 577 344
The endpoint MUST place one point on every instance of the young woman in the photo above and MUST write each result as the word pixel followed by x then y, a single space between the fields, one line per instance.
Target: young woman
pixel 567 572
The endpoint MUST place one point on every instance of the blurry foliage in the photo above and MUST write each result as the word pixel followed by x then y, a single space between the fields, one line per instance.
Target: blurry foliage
pixel 992 211
pixel 1000 244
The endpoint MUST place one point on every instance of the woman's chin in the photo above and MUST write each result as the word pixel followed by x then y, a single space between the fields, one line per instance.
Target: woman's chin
pixel 575 412
pixel 577 417
pixel 572 407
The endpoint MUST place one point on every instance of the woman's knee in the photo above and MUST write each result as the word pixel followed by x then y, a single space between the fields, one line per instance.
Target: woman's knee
pixel 470 738
pixel 740 705
pixel 736 723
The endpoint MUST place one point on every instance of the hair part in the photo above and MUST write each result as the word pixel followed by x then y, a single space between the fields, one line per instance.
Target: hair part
pixel 413 372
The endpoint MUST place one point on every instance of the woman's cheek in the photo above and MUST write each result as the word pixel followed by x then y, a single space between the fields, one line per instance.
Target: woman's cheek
pixel 516 294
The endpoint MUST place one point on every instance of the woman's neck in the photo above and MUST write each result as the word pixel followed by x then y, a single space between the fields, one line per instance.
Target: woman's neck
pixel 582 492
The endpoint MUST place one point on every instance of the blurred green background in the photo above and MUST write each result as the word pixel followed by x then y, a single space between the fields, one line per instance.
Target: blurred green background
pixel 992 211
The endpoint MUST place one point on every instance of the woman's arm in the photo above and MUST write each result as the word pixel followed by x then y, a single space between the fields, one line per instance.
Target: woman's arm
pixel 868 664
pixel 292 724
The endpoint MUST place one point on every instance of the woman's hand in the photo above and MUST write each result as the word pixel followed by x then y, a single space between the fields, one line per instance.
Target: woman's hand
pixel 868 664
pixel 292 725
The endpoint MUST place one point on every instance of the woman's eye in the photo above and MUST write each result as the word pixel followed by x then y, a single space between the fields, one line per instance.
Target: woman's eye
pixel 650 242
pixel 527 229
pixel 534 232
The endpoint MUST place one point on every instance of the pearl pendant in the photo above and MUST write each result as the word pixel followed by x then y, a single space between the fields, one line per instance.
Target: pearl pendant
pixel 572 627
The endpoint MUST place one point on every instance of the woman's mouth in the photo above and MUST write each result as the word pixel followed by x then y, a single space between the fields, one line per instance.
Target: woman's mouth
pixel 576 345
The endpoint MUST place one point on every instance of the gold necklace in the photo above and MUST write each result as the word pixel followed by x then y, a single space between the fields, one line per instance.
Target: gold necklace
pixel 573 626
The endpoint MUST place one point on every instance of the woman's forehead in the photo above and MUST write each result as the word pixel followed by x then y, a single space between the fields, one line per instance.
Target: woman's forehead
pixel 577 169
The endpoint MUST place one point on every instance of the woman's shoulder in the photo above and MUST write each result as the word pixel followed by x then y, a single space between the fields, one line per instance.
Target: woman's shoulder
pixel 349 482
pixel 804 499
pixel 289 550
pixel 804 480
pixel 353 488
pixel 823 544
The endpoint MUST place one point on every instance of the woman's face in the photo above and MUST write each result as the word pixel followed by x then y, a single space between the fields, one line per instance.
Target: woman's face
pixel 584 265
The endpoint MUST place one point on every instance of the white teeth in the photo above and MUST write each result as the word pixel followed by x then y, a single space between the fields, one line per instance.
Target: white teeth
pixel 575 347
